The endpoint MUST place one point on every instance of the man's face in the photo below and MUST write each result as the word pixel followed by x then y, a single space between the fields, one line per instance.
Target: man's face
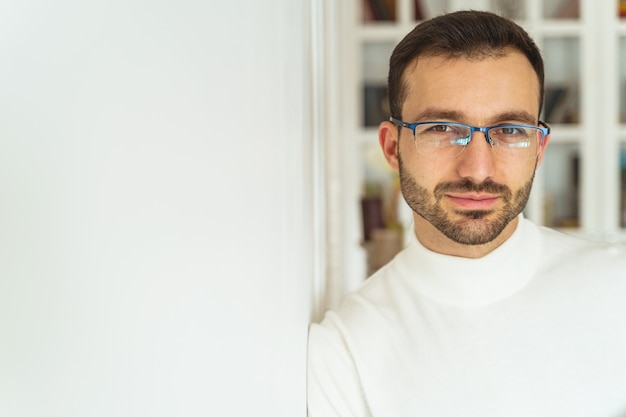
pixel 472 198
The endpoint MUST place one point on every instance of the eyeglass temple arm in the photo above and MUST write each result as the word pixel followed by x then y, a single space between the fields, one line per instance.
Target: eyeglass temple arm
pixel 398 122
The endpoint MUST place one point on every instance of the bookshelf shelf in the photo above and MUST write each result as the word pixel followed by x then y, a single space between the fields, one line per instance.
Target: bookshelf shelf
pixel 565 134
pixel 557 28
pixel 382 32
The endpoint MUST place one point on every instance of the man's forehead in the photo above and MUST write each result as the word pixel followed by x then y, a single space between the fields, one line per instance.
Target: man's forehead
pixel 435 82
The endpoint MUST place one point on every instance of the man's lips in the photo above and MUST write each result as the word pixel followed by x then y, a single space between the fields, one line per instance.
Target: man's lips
pixel 473 201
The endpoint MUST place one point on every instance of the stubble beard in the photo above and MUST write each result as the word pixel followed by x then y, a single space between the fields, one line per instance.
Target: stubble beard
pixel 474 227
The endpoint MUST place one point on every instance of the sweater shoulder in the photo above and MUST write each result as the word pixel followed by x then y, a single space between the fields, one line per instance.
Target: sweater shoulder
pixel 565 251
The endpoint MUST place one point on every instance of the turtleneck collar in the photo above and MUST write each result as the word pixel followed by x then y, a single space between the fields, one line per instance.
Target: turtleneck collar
pixel 465 282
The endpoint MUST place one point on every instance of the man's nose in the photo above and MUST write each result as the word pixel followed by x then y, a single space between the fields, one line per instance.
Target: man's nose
pixel 476 162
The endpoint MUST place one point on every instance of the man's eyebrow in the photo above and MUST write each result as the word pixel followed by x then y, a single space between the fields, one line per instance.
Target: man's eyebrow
pixel 456 116
pixel 515 116
pixel 439 115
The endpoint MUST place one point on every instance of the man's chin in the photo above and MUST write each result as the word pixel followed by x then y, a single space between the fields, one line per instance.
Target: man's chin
pixel 474 214
pixel 472 234
pixel 473 227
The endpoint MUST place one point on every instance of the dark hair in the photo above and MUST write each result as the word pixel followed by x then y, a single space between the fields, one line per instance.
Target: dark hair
pixel 469 34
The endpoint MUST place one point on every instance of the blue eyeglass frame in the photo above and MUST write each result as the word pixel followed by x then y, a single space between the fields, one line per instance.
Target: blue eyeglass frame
pixel 545 128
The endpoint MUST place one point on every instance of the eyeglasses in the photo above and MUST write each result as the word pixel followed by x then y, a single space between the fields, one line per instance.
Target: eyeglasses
pixel 449 139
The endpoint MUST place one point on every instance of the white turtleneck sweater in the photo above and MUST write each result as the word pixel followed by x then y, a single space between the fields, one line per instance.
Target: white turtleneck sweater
pixel 535 328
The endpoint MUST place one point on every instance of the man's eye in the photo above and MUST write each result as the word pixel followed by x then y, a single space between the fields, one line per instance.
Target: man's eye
pixel 510 130
pixel 446 130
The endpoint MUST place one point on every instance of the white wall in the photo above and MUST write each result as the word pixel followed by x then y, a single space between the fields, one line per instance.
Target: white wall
pixel 155 242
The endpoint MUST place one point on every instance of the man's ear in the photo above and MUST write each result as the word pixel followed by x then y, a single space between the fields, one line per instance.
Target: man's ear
pixel 388 139
pixel 542 149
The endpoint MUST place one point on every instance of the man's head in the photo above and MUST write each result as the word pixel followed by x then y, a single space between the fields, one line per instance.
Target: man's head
pixel 475 69
pixel 471 35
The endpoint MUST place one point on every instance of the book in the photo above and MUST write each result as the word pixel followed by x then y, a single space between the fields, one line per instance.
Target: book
pixel 379 10
pixel 375 104
pixel 560 103
pixel 368 12
pixel 418 10
pixel 569 10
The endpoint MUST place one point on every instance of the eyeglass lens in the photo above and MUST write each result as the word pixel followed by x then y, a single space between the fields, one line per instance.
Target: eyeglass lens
pixel 449 140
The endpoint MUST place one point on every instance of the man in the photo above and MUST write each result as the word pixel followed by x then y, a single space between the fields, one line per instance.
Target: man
pixel 484 313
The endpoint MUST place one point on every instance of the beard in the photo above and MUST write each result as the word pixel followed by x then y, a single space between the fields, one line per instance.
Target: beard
pixel 472 227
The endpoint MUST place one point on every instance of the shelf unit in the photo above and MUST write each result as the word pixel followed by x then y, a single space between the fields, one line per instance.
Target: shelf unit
pixel 580 185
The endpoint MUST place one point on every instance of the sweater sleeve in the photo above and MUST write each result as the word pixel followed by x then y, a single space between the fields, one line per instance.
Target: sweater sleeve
pixel 334 388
